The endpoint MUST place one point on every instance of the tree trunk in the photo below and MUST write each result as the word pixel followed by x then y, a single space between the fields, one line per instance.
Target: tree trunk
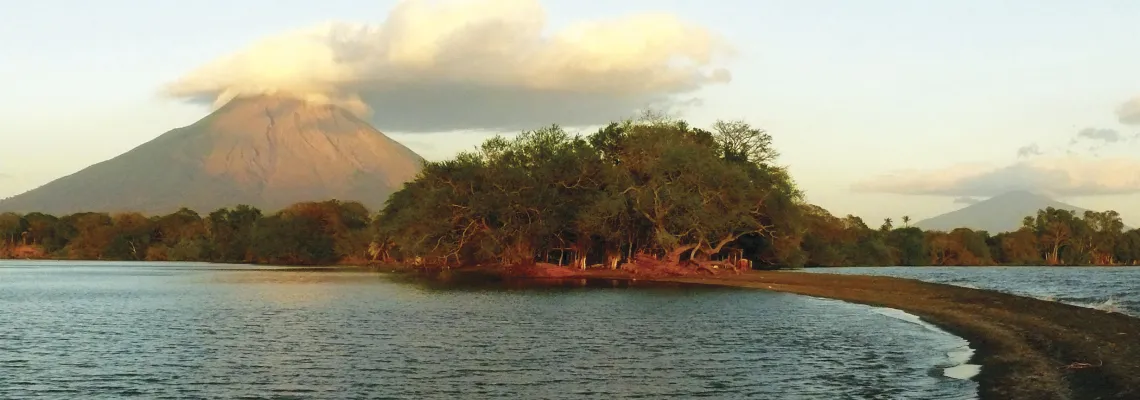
pixel 1054 257
pixel 674 257
pixel 723 242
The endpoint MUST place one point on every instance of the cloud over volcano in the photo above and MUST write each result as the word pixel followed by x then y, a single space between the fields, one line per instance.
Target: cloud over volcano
pixel 474 64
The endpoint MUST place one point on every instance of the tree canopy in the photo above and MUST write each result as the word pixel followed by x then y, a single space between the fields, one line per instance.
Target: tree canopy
pixel 653 187
pixel 656 187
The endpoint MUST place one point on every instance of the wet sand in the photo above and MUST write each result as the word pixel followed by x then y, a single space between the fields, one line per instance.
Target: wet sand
pixel 1029 349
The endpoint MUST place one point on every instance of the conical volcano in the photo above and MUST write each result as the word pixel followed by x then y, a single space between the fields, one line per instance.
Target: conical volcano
pixel 266 151
pixel 1002 213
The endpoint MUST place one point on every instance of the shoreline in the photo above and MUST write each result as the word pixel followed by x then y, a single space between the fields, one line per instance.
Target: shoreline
pixel 1027 348
pixel 961 369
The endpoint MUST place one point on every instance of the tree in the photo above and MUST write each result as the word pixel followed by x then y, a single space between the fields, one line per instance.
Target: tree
pixel 911 246
pixel 94 233
pixel 45 230
pixel 230 232
pixel 1127 249
pixel 345 222
pixel 292 239
pixel 130 237
pixel 657 187
pixel 864 246
pixel 970 247
pixel 906 221
pixel 740 141
pixel 12 228
pixel 1018 248
pixel 824 237
pixel 1105 229
pixel 182 225
pixel 1055 229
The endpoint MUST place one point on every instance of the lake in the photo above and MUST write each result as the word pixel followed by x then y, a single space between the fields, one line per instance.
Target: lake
pixel 167 330
pixel 1115 289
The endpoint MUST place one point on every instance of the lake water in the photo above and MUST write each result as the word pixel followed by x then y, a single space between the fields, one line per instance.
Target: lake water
pixel 1115 289
pixel 106 330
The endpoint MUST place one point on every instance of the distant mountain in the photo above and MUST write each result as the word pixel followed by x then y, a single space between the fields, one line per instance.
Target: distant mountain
pixel 1002 213
pixel 265 151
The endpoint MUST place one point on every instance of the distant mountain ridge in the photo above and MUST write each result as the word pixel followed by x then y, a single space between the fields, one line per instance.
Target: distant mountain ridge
pixel 264 151
pixel 1003 213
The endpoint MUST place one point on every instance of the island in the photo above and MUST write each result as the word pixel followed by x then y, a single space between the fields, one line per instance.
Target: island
pixel 657 199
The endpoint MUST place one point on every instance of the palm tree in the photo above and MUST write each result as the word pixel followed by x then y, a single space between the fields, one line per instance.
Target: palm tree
pixel 887 225
pixel 906 221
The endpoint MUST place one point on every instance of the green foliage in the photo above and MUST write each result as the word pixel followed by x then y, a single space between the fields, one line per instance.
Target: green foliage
pixel 653 187
pixel 660 187
pixel 303 234
pixel 911 246
pixel 741 142
pixel 230 230
pixel 12 228
pixel 189 250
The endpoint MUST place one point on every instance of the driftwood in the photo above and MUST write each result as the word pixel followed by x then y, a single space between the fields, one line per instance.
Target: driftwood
pixel 1083 365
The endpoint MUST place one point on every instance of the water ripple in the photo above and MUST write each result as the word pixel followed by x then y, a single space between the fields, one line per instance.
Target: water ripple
pixel 105 332
pixel 1115 289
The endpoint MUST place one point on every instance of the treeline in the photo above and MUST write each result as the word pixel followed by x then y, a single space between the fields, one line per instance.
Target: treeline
pixel 653 188
pixel 1052 237
pixel 676 193
pixel 313 233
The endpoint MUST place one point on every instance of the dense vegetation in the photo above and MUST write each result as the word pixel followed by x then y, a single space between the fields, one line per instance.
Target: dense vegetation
pixel 651 188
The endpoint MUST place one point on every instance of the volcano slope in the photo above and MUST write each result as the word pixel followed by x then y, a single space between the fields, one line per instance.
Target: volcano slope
pixel 264 151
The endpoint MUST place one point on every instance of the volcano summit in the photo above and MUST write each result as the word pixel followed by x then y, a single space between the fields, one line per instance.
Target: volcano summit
pixel 264 151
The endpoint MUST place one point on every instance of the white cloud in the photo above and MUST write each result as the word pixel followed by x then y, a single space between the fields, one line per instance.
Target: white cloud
pixel 474 64
pixel 1129 112
pixel 1059 176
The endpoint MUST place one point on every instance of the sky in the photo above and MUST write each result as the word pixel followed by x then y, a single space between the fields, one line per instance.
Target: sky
pixel 879 108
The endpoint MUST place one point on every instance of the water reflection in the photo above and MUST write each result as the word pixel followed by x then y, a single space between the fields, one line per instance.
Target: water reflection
pixel 151 333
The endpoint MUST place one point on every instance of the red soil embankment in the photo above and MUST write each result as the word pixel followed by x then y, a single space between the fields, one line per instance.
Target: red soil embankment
pixel 23 252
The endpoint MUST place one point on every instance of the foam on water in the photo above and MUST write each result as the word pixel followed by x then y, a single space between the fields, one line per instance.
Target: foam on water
pixel 962 368
pixel 1108 305
pixel 958 358
pixel 1106 289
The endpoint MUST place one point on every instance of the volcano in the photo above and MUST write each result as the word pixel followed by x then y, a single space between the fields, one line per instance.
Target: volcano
pixel 264 151
pixel 1002 213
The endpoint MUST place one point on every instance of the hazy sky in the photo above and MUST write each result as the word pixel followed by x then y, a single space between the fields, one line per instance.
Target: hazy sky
pixel 880 108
